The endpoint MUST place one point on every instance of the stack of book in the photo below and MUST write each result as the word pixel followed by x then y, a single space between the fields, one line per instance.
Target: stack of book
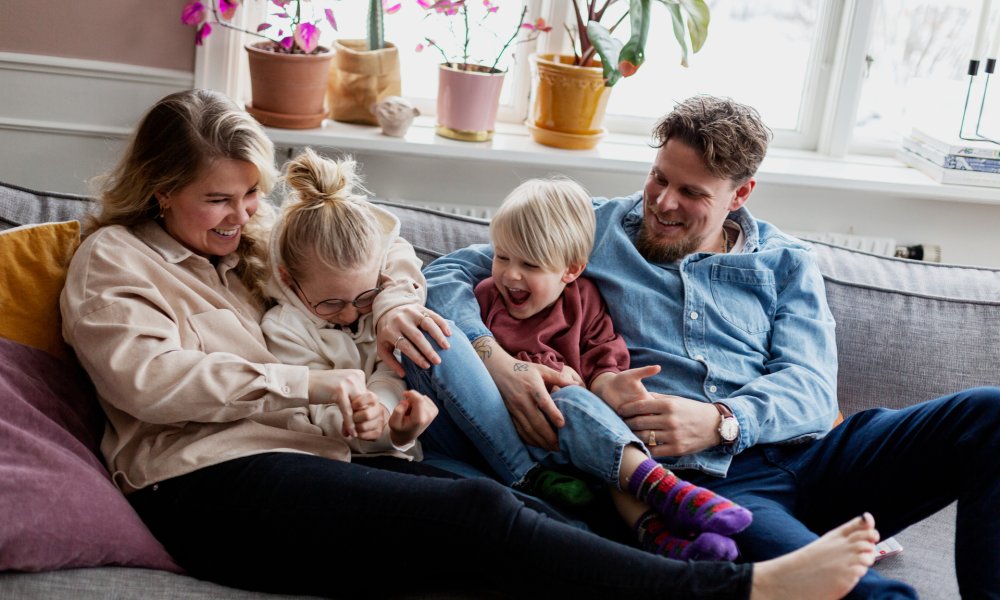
pixel 952 161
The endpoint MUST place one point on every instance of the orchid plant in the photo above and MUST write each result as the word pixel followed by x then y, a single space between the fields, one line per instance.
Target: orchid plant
pixel 297 33
pixel 459 11
pixel 622 60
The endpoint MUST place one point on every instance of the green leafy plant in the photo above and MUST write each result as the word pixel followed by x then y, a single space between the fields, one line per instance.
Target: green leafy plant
pixel 296 32
pixel 690 22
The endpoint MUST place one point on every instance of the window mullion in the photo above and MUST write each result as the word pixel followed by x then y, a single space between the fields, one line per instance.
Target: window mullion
pixel 840 112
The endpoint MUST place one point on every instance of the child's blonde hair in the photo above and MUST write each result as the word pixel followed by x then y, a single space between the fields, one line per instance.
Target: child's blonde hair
pixel 324 217
pixel 549 222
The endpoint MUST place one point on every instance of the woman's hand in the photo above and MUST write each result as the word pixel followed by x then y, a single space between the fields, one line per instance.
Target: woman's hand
pixel 338 386
pixel 402 328
pixel 370 416
pixel 525 389
pixel 411 417
pixel 679 425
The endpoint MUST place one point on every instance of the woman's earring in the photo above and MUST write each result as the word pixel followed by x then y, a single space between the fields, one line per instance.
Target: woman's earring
pixel 162 209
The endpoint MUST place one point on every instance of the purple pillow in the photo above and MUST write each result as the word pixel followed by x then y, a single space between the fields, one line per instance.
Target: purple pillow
pixel 59 507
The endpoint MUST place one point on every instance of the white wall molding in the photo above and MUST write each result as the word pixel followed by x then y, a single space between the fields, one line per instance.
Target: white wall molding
pixel 94 69
pixel 64 120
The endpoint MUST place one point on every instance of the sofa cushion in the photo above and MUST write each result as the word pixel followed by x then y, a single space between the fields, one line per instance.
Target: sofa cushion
pixel 434 233
pixel 59 506
pixel 909 331
pixel 32 276
pixel 21 206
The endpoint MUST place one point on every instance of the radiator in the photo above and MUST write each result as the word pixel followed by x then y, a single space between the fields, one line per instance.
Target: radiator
pixel 884 246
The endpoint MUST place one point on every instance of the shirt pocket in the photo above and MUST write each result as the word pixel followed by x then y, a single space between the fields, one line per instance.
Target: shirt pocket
pixel 745 298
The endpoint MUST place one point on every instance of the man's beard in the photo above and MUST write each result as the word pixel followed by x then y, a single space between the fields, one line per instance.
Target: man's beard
pixel 656 251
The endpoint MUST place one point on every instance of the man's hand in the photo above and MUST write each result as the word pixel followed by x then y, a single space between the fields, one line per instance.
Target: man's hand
pixel 680 425
pixel 525 390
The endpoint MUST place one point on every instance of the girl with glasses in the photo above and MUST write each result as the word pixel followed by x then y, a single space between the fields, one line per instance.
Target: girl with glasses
pixel 327 254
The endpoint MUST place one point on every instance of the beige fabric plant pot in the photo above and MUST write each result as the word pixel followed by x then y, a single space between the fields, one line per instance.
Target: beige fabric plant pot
pixel 360 79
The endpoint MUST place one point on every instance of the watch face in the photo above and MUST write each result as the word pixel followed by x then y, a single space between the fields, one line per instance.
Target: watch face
pixel 729 429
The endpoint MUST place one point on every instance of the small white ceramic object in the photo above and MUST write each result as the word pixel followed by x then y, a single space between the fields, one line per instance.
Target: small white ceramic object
pixel 394 115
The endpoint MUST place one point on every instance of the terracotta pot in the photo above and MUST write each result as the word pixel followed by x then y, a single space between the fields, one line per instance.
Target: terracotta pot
pixel 467 101
pixel 568 102
pixel 360 79
pixel 287 89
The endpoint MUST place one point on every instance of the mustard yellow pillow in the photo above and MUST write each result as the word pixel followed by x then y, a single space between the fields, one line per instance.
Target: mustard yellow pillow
pixel 33 263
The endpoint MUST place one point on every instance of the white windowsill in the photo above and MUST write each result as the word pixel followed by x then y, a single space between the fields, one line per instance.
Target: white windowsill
pixel 632 154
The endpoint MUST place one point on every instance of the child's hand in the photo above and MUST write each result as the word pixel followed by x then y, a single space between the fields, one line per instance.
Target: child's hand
pixel 617 389
pixel 568 371
pixel 369 416
pixel 411 417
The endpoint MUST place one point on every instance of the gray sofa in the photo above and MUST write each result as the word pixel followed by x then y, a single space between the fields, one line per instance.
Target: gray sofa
pixel 907 331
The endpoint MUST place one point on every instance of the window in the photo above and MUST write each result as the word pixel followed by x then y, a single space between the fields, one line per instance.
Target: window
pixel 827 75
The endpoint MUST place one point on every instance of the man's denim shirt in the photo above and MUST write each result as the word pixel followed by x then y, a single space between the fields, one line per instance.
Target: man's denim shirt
pixel 750 329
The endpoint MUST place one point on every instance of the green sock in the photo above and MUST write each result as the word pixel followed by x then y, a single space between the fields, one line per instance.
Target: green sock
pixel 559 488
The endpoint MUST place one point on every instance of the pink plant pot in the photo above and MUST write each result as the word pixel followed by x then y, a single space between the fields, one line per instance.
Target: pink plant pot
pixel 468 97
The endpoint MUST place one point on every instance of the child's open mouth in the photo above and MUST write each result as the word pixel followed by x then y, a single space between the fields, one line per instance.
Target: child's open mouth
pixel 518 297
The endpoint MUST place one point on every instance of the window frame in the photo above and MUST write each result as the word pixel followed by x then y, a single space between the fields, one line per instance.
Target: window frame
pixel 828 109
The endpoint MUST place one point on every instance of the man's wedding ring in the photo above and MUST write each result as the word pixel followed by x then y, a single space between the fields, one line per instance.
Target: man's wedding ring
pixel 652 439
pixel 395 345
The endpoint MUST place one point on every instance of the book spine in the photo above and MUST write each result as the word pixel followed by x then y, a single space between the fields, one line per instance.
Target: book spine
pixel 960 150
pixel 948 176
pixel 951 161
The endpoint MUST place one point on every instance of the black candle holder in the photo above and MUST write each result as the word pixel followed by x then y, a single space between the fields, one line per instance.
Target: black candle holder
pixel 990 67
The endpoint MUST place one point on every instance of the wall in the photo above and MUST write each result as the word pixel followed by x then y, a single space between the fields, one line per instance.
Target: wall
pixel 75 77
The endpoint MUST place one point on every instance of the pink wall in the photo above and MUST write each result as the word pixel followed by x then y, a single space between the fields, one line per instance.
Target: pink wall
pixel 138 32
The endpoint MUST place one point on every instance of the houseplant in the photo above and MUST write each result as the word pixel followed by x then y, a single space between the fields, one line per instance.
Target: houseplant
pixel 364 71
pixel 469 78
pixel 288 67
pixel 570 92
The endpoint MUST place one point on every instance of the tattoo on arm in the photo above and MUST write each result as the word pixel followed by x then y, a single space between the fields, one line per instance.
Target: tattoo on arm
pixel 483 347
pixel 520 366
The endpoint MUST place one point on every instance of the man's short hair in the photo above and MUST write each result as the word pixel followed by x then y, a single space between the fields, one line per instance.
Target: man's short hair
pixel 730 136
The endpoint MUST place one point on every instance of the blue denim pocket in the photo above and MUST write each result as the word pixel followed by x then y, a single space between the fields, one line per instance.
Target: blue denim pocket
pixel 745 298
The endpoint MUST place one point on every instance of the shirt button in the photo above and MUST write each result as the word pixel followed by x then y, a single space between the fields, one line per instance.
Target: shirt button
pixel 286 389
pixel 699 358
pixel 694 315
pixel 712 389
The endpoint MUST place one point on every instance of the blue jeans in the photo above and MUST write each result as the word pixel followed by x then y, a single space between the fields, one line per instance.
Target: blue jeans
pixel 899 465
pixel 286 522
pixel 473 412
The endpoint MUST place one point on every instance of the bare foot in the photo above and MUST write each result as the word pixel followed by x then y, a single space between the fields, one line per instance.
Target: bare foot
pixel 828 568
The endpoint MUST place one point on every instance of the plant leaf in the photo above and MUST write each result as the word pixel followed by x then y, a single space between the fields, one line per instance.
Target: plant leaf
pixel 609 48
pixel 202 33
pixel 698 18
pixel 330 19
pixel 228 8
pixel 633 54
pixel 263 26
pixel 287 43
pixel 678 23
pixel 307 37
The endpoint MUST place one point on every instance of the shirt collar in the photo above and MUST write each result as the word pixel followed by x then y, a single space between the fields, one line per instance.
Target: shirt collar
pixel 174 252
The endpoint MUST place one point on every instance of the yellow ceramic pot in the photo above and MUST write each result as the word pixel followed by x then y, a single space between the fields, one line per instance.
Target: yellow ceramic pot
pixel 568 102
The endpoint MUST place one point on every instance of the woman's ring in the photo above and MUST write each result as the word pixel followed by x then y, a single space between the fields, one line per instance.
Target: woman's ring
pixel 395 345
pixel 425 316
pixel 652 439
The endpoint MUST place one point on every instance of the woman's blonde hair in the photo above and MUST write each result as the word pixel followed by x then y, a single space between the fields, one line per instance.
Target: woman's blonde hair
pixel 547 221
pixel 177 140
pixel 324 217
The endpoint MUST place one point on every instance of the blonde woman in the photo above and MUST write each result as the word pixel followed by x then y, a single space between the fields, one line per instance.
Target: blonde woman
pixel 160 308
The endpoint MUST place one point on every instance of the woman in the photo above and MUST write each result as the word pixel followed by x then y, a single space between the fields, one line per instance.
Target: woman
pixel 162 305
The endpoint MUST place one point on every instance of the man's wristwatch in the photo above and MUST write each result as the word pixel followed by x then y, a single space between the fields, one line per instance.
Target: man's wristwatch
pixel 729 427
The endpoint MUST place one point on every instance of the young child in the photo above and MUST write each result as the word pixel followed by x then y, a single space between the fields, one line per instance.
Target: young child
pixel 540 310
pixel 327 253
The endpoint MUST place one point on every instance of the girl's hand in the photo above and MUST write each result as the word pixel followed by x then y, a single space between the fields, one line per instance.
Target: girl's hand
pixel 411 417
pixel 402 328
pixel 370 416
pixel 337 386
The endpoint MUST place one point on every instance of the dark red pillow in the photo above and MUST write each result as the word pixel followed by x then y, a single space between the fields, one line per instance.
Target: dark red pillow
pixel 59 508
